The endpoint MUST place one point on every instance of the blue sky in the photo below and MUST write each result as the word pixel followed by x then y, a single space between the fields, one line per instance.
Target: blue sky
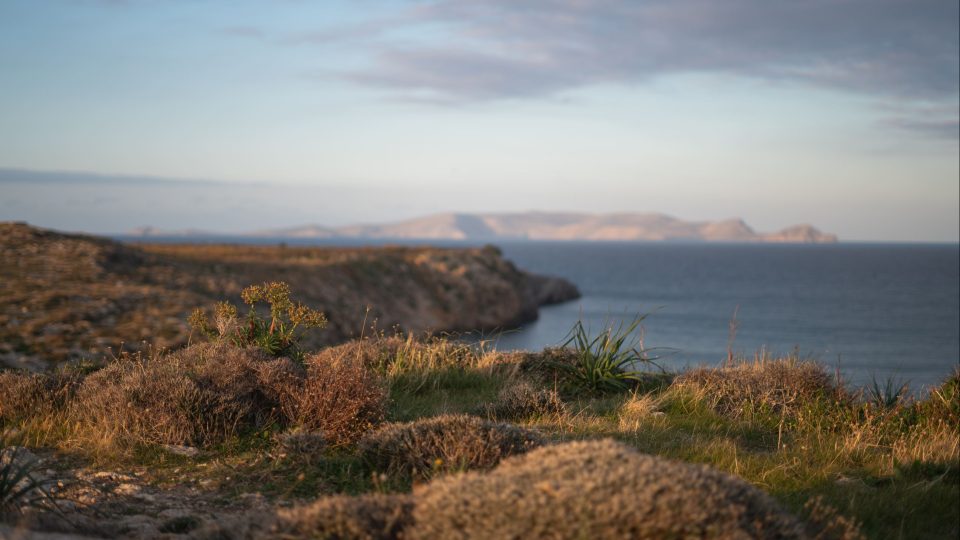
pixel 841 113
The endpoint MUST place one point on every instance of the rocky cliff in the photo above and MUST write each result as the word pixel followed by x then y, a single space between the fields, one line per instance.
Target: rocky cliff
pixel 70 296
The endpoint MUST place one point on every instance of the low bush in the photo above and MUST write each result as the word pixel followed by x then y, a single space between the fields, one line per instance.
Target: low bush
pixel 778 387
pixel 28 395
pixel 340 397
pixel 197 396
pixel 521 400
pixel 364 517
pixel 943 403
pixel 596 489
pixel 430 446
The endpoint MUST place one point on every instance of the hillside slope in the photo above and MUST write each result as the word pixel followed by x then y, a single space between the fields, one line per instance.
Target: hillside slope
pixel 562 226
pixel 70 296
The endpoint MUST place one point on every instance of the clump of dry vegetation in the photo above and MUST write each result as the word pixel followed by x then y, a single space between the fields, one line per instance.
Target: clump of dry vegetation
pixel 522 399
pixel 638 408
pixel 340 397
pixel 777 387
pixel 943 403
pixel 33 394
pixel 823 522
pixel 366 517
pixel 199 396
pixel 444 443
pixel 304 447
pixel 597 489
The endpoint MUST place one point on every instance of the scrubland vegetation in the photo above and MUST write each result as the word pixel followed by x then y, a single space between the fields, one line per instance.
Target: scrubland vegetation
pixel 393 437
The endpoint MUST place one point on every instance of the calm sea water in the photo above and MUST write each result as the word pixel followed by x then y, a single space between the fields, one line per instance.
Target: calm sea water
pixel 873 310
pixel 876 311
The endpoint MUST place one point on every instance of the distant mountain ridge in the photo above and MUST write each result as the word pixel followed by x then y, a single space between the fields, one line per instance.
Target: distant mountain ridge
pixel 649 227
pixel 560 226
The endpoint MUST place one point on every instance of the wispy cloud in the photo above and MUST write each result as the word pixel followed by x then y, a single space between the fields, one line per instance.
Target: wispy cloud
pixel 502 49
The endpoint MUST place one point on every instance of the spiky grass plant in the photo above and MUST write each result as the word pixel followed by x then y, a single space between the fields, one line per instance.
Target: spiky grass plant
pixel 605 362
pixel 887 395
pixel 19 485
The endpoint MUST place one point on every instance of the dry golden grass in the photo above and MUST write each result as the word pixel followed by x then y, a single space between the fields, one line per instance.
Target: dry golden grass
pixel 825 523
pixel 636 409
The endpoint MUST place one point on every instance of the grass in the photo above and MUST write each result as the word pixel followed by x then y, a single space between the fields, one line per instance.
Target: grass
pixel 607 361
pixel 783 425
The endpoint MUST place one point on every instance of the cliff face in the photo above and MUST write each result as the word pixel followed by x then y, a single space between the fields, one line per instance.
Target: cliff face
pixel 70 296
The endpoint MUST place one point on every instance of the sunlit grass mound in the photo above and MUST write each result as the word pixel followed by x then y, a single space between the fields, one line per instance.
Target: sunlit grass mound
pixel 779 387
pixel 363 517
pixel 198 396
pixel 430 446
pixel 597 489
pixel 521 400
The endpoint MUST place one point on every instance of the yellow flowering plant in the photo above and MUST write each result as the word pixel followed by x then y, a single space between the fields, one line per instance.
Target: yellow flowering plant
pixel 278 336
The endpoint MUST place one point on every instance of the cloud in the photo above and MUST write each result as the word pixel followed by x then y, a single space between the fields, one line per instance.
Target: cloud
pixel 935 128
pixel 502 49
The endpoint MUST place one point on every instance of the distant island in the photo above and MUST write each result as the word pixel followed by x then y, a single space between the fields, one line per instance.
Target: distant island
pixel 545 226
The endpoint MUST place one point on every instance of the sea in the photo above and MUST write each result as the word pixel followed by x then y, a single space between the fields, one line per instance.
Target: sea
pixel 871 313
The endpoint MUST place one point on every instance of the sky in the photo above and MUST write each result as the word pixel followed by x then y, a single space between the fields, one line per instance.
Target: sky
pixel 239 116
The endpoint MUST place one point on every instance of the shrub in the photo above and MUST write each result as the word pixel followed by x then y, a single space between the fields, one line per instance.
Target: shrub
pixel 198 396
pixel 943 403
pixel 523 400
pixel 596 489
pixel 278 337
pixel 27 395
pixel 365 517
pixel 780 387
pixel 340 397
pixel 444 443
pixel 22 394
